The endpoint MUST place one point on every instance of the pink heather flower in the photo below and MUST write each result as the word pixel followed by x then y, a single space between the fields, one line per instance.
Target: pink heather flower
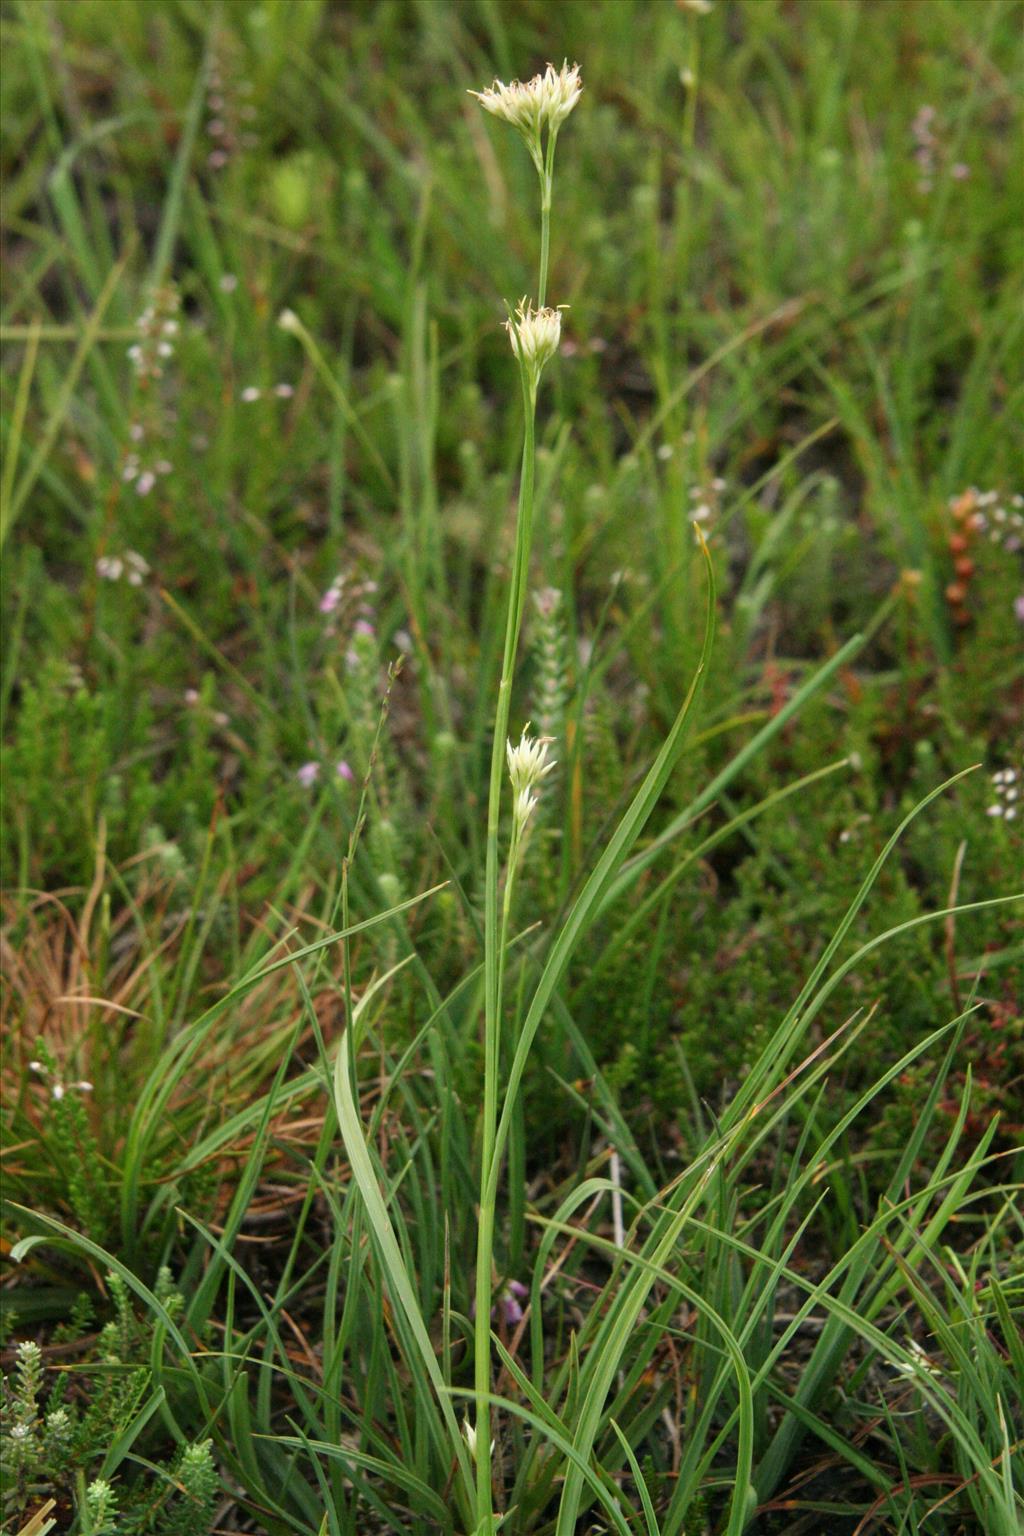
pixel 345 772
pixel 331 598
pixel 145 483
pixel 308 774
pixel 508 1298
pixel 514 1293
pixel 1018 608
pixel 364 628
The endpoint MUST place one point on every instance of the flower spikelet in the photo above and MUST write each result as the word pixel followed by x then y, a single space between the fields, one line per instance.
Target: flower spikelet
pixel 559 92
pixel 535 335
pixel 528 764
pixel 543 102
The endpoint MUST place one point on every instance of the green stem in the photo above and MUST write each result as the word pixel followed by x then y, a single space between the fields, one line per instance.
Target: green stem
pixel 493 970
pixel 546 174
pixel 545 238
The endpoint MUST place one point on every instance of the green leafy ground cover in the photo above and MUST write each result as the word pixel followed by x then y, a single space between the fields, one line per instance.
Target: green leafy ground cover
pixel 757 1261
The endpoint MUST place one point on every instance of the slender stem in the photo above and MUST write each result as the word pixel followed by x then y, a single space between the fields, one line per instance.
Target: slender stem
pixel 546 173
pixel 493 970
pixel 545 237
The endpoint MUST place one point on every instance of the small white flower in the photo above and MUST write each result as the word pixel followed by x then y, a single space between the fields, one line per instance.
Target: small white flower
pixel 534 334
pixel 469 1430
pixel 251 393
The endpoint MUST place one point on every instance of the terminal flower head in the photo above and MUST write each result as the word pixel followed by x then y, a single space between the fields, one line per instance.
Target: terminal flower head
pixel 543 102
pixel 534 334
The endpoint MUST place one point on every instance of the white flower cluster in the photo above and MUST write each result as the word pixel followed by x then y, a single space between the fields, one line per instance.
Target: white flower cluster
pixel 919 1364
pixel 1006 791
pixel 706 498
pixel 543 102
pixel 534 334
pixel 528 763
pixel 57 1088
pixel 157 326
pixel 986 512
pixel 130 565
pixel 143 478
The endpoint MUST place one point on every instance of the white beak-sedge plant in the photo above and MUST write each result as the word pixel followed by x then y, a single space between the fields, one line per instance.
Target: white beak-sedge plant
pixel 537 110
